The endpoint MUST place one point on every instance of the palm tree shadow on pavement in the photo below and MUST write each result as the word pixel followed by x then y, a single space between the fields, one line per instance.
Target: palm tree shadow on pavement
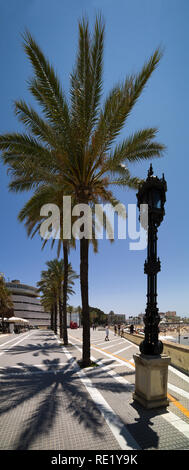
pixel 37 349
pixel 47 393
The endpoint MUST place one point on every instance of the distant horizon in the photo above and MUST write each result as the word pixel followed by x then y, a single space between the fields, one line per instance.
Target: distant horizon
pixel 127 315
pixel 133 31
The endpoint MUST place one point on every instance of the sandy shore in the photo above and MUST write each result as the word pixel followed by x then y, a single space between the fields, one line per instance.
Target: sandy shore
pixel 175 331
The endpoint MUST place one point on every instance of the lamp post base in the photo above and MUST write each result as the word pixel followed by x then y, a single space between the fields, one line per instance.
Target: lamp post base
pixel 151 380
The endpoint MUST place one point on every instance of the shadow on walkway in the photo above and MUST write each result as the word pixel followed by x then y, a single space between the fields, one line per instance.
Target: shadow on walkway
pixel 142 429
pixel 54 389
pixel 35 349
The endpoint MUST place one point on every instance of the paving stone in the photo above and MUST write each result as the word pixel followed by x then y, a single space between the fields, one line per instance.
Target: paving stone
pixel 44 404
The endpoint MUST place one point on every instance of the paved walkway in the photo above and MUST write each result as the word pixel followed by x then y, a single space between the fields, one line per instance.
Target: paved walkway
pixel 47 402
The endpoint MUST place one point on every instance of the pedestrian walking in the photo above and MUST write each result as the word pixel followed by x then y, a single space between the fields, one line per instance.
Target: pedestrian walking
pixel 115 330
pixel 119 326
pixel 107 334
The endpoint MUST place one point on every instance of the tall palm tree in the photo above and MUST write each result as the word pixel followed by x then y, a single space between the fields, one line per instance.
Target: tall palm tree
pixel 73 144
pixel 50 285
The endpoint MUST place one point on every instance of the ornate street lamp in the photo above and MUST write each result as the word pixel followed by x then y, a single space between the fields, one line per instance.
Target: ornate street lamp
pixel 151 371
pixel 152 192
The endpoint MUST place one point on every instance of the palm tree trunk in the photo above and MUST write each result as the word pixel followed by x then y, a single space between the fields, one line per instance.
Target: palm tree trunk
pixel 3 325
pixel 84 251
pixel 54 315
pixel 65 286
pixel 55 318
pixel 52 318
pixel 60 315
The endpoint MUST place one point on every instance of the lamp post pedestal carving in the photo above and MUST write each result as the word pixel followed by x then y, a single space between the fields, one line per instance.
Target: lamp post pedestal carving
pixel 151 365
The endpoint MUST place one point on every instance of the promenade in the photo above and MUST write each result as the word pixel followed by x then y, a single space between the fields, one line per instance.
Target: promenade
pixel 48 402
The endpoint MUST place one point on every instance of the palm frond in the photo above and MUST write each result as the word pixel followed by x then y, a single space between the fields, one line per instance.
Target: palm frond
pixel 36 125
pixel 132 182
pixel 81 84
pixel 138 146
pixel 119 104
pixel 97 47
pixel 46 87
pixel 23 146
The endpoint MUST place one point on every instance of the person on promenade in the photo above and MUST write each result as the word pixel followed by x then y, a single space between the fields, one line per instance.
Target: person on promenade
pixel 119 326
pixel 115 330
pixel 107 334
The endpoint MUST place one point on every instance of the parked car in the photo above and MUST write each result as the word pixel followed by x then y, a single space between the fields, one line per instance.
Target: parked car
pixel 73 325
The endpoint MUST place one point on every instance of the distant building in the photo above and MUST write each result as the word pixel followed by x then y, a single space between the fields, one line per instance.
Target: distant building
pixel 141 316
pixel 170 314
pixel 116 318
pixel 27 304
pixel 121 318
pixel 135 320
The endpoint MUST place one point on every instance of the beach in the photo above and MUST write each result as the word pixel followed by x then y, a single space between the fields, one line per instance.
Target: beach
pixel 172 334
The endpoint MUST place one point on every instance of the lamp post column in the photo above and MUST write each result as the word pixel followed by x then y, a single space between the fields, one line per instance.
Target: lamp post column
pixel 151 372
pixel 151 345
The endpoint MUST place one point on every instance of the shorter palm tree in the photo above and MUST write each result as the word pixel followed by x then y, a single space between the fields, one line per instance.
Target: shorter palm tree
pixel 70 311
pixel 79 310
pixel 51 287
pixel 6 304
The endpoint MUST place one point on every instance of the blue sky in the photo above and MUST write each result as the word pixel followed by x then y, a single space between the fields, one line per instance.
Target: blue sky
pixel 134 28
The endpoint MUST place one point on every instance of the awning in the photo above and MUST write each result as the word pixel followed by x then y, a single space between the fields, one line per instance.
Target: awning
pixel 17 320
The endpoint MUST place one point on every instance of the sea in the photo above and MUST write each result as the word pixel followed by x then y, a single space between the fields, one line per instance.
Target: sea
pixel 184 339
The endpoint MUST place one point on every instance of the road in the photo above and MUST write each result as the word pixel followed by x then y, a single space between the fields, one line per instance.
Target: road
pixel 47 402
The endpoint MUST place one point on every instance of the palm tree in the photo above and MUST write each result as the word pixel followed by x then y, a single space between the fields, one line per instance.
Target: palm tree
pixel 70 311
pixel 50 285
pixel 6 304
pixel 48 289
pixel 30 214
pixel 79 311
pixel 73 144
